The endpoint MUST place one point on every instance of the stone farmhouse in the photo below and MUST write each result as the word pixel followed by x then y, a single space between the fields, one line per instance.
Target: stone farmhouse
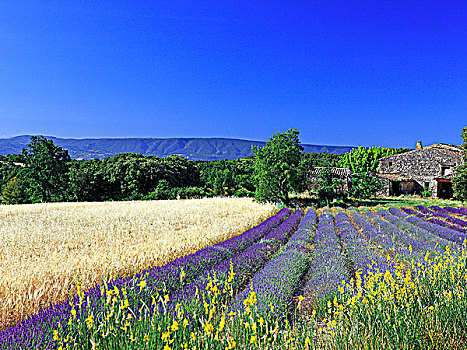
pixel 425 167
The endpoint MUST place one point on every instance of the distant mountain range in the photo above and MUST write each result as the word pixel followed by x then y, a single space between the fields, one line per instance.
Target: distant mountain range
pixel 191 148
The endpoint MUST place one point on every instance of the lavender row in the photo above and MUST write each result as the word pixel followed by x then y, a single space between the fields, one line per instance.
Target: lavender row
pixel 373 234
pixel 440 231
pixel 434 220
pixel 418 214
pixel 244 264
pixel 434 243
pixel 440 216
pixel 462 210
pixel 407 246
pixel 447 224
pixel 327 269
pixel 446 214
pixel 167 277
pixel 276 282
pixel 35 329
pixel 362 257
pixel 438 209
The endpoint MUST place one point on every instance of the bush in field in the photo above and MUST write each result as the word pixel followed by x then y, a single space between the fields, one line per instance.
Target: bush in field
pixel 13 193
pixel 243 192
pixel 192 192
pixel 161 192
pixel 459 182
pixel 275 167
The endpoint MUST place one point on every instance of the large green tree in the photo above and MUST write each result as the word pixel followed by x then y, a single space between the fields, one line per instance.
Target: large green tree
pixel 364 185
pixel 459 182
pixel 275 167
pixel 46 170
pixel 87 181
pixel 228 177
pixel 363 160
pixel 363 164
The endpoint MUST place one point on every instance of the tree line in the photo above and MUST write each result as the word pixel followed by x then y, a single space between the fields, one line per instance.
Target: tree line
pixel 44 172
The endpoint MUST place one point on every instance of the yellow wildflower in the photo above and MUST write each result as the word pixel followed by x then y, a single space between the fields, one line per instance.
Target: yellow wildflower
pixel 174 326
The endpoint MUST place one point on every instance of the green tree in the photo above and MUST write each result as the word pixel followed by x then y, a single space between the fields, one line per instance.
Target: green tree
pixel 363 164
pixel 459 182
pixel 275 167
pixel 363 160
pixel 87 181
pixel 228 177
pixel 364 185
pixel 13 192
pixel 328 187
pixel 46 169
pixel 308 162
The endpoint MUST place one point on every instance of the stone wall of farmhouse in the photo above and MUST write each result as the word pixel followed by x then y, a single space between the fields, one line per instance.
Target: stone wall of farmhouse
pixel 385 190
pixel 419 163
pixel 423 166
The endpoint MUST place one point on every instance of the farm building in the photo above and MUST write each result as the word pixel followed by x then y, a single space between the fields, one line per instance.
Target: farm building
pixel 340 173
pixel 425 167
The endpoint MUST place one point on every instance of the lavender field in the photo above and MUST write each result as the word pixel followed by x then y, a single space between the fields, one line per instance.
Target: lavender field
pixel 299 280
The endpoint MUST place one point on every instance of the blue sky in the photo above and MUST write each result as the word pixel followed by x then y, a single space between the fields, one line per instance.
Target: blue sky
pixel 342 72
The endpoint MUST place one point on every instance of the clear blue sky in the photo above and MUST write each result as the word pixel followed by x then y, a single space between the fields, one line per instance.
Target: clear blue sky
pixel 342 72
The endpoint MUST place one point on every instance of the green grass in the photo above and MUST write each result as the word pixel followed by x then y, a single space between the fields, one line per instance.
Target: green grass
pixel 402 201
pixel 304 200
pixel 408 201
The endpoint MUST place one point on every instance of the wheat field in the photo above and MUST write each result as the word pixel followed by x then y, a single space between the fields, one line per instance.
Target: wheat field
pixel 47 248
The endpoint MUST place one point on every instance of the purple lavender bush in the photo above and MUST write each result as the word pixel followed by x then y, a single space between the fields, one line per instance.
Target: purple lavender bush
pixel 438 230
pixel 436 244
pixel 244 265
pixel 276 282
pixel 362 257
pixel 327 267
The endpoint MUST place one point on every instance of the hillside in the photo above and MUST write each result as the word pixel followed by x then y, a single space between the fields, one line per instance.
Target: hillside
pixel 191 148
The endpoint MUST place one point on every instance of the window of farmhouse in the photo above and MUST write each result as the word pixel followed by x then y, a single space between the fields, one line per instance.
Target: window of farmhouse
pixel 445 170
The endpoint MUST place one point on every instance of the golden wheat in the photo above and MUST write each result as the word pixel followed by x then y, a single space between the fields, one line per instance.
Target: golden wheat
pixel 46 248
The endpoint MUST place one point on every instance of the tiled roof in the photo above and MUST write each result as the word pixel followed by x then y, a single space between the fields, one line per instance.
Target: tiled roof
pixel 335 171
pixel 452 149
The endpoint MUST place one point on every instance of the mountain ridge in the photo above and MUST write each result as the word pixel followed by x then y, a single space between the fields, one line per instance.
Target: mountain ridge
pixel 213 148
